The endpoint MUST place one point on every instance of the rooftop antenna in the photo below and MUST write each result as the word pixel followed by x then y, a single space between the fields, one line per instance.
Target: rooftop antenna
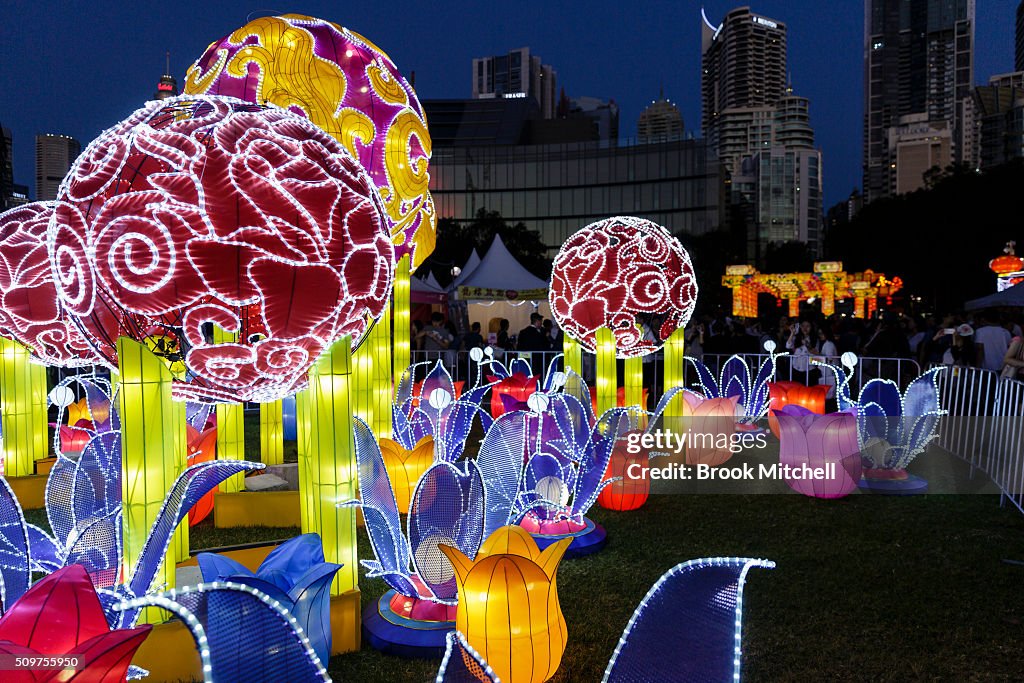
pixel 168 67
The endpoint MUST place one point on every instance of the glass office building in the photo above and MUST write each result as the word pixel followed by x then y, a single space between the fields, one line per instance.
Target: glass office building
pixel 557 189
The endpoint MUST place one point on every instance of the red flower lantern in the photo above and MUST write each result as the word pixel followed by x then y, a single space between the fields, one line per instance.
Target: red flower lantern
pixel 205 211
pixel 518 387
pixel 202 447
pixel 781 394
pixel 620 398
pixel 634 488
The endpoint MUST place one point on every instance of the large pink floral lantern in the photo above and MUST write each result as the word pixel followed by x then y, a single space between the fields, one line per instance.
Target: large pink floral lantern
pixel 30 312
pixel 627 274
pixel 348 87
pixel 204 211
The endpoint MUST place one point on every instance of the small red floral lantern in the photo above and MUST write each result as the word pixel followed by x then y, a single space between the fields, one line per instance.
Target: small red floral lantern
pixel 781 394
pixel 518 386
pixel 634 488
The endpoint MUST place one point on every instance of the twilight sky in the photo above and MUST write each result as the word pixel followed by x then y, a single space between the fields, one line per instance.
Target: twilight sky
pixel 78 67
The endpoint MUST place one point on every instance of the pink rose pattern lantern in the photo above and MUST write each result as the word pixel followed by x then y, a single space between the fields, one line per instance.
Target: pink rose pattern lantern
pixel 201 211
pixel 348 87
pixel 626 274
pixel 30 311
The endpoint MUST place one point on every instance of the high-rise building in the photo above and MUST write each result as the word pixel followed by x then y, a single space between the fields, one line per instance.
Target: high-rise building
pixel 999 110
pixel 11 193
pixel 744 65
pixel 517 74
pixel 167 86
pixel 761 131
pixel 918 59
pixel 660 121
pixel 1018 62
pixel 54 156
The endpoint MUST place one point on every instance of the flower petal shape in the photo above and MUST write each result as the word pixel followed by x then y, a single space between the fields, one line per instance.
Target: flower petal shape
pixel 15 572
pixel 56 615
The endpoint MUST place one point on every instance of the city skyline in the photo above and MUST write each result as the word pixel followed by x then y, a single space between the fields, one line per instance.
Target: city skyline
pixel 660 47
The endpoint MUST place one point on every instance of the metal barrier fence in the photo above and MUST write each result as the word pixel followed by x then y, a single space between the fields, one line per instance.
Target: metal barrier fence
pixel 901 370
pixel 985 426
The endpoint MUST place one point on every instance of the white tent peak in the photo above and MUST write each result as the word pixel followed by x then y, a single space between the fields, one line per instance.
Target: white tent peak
pixel 499 269
pixel 467 269
pixel 426 284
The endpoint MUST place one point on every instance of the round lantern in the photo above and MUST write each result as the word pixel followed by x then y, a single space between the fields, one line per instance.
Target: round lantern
pixel 348 87
pixel 30 312
pixel 627 274
pixel 201 211
pixel 634 487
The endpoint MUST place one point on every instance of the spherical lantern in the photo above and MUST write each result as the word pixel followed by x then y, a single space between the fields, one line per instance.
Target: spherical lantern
pixel 627 274
pixel 198 212
pixel 348 87
pixel 30 312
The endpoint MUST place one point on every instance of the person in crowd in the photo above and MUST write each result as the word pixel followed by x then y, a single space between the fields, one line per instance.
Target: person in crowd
pixel 417 340
pixel 694 337
pixel 961 349
pixel 473 339
pixel 991 342
pixel 802 344
pixel 1013 361
pixel 531 337
pixel 435 337
pixel 557 337
pixel 827 351
pixel 887 340
pixel 503 341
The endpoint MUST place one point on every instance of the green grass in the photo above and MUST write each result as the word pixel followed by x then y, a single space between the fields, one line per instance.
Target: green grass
pixel 867 588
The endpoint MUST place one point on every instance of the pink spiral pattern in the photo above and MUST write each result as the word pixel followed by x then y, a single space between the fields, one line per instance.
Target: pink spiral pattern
pixel 626 274
pixel 29 309
pixel 206 210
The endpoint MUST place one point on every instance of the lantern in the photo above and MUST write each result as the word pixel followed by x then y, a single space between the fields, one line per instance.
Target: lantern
pixel 711 424
pixel 630 492
pixel 827 443
pixel 626 274
pixel 406 467
pixel 349 88
pixel 202 447
pixel 782 394
pixel 201 213
pixel 518 386
pixel 620 398
pixel 509 611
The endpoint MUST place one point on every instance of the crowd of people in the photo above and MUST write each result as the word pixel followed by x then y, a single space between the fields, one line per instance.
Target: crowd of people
pixel 440 335
pixel 984 340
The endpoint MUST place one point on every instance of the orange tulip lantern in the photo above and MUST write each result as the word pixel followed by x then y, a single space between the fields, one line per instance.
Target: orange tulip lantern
pixel 202 447
pixel 782 394
pixel 406 467
pixel 518 386
pixel 508 605
pixel 630 492
pixel 711 423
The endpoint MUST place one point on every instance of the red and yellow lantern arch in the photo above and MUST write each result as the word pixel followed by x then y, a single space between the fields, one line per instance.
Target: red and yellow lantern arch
pixel 828 283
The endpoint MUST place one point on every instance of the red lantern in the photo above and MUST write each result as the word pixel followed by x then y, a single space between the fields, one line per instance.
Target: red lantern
pixel 633 490
pixel 781 394
pixel 202 447
pixel 518 386
pixel 620 398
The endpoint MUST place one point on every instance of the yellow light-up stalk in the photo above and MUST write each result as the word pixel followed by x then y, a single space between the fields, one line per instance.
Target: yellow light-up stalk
pixel 331 463
pixel 230 427
pixel 607 376
pixel 371 379
pixel 402 317
pixel 272 433
pixel 303 432
pixel 573 355
pixel 22 409
pixel 152 454
pixel 633 381
pixel 675 350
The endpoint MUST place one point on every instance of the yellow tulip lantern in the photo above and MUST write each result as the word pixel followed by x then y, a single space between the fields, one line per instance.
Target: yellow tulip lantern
pixel 508 604
pixel 405 467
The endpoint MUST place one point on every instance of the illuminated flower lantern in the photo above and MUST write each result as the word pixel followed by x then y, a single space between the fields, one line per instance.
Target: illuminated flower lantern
pixel 349 88
pixel 29 309
pixel 631 491
pixel 827 443
pixel 626 274
pixel 515 388
pixel 203 211
pixel 713 419
pixel 405 467
pixel 508 608
pixel 782 394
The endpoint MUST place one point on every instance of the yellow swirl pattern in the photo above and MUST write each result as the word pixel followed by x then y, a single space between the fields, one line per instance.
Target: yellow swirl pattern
pixel 196 82
pixel 385 85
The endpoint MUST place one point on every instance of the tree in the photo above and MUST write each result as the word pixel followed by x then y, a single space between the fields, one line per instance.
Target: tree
pixel 456 241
